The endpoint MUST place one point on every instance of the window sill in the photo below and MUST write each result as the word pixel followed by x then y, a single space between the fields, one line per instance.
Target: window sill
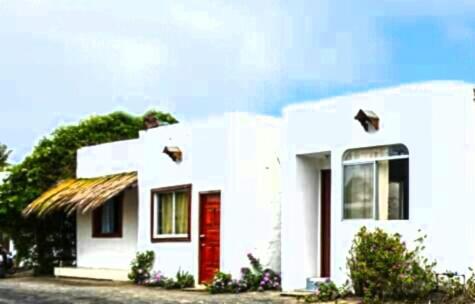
pixel 171 239
pixel 374 220
pixel 107 236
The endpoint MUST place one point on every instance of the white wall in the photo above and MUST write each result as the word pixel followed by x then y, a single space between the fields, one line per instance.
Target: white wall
pixel 110 158
pixel 109 253
pixel 100 160
pixel 252 212
pixel 220 153
pixel 436 122
pixel 234 153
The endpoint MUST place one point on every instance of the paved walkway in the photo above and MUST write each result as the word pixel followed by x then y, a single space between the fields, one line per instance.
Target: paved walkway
pixel 28 290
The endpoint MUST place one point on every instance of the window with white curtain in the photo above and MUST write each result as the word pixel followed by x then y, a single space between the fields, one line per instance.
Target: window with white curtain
pixel 376 183
pixel 107 219
pixel 171 213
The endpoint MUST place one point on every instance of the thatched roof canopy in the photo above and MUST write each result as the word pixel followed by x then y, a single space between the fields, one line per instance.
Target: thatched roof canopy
pixel 81 194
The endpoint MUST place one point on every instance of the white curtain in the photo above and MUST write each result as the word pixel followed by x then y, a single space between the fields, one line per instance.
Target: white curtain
pixel 358 192
pixel 108 218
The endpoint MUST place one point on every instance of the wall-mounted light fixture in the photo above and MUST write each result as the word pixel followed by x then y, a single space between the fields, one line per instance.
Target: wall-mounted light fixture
pixel 368 119
pixel 174 152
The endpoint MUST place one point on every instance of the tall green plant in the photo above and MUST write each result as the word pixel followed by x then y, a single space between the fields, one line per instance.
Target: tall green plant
pixel 382 268
pixel 43 242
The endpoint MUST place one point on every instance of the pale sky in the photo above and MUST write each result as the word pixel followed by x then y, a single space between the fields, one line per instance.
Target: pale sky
pixel 61 61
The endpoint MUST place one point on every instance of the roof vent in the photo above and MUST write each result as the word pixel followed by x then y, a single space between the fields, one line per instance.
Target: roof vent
pixel 151 121
pixel 174 152
pixel 368 119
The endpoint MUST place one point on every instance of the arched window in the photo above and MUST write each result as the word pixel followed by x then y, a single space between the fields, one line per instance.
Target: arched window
pixel 376 183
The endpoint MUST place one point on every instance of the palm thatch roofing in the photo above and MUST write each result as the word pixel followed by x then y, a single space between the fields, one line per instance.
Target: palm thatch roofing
pixel 82 194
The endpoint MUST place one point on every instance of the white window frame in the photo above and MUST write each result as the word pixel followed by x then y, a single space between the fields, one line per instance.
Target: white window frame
pixel 374 162
pixel 156 202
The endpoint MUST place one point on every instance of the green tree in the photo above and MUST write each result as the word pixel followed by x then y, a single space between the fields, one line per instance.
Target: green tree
pixel 43 242
pixel 4 154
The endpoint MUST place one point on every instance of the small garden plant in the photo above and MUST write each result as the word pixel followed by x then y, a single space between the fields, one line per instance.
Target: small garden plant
pixel 141 267
pixel 140 273
pixel 328 291
pixel 182 280
pixel 255 278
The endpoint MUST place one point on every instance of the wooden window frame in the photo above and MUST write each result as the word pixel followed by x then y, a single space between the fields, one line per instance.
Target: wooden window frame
pixel 97 216
pixel 156 191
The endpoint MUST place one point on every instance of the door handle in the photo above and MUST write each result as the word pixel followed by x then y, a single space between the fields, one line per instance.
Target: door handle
pixel 202 235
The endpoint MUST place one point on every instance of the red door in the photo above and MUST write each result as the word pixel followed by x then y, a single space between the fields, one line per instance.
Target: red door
pixel 210 217
pixel 325 223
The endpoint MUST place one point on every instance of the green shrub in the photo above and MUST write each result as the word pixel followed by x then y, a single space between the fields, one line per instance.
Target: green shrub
pixel 141 267
pixel 382 268
pixel 258 278
pixel 182 280
pixel 470 286
pixel 49 240
pixel 328 291
pixel 249 279
pixel 222 283
pixel 169 283
pixel 450 286
pixel 255 278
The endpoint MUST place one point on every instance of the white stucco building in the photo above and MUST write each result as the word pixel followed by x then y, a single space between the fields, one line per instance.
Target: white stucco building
pixel 201 213
pixel 415 172
pixel 294 191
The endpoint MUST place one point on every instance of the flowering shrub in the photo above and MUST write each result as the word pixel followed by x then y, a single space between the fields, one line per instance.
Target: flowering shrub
pixel 450 285
pixel 157 279
pixel 141 267
pixel 183 280
pixel 258 278
pixel 223 283
pixel 382 268
pixel 252 279
pixel 470 287
pixel 269 281
pixel 328 291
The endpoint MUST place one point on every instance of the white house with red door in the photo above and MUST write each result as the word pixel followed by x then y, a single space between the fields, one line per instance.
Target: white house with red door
pixel 401 159
pixel 201 195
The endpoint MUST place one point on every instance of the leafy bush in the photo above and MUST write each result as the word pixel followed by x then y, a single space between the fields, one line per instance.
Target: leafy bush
pixel 470 286
pixel 450 286
pixel 157 279
pixel 328 291
pixel 141 267
pixel 249 279
pixel 222 283
pixel 382 268
pixel 49 240
pixel 182 280
pixel 255 278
